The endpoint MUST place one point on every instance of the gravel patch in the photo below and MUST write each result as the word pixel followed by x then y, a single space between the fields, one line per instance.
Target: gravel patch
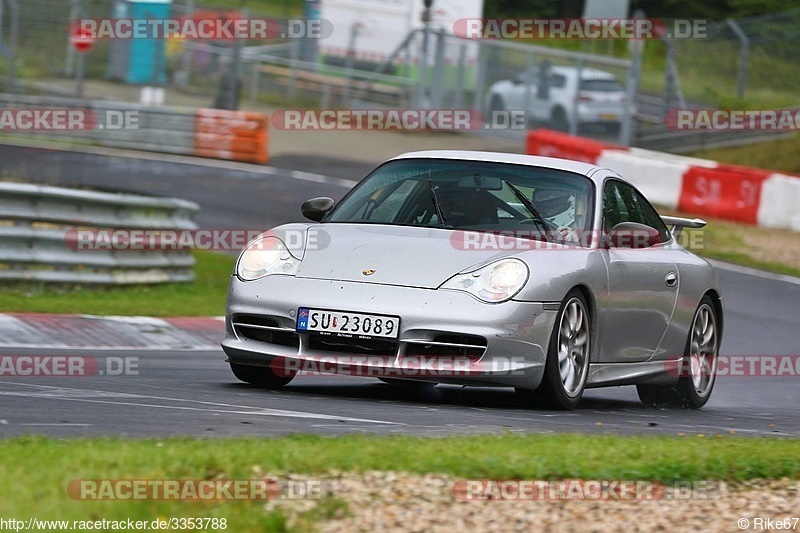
pixel 393 501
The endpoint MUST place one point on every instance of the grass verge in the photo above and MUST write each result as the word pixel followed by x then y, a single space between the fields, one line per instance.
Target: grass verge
pixel 772 250
pixel 35 471
pixel 782 155
pixel 205 296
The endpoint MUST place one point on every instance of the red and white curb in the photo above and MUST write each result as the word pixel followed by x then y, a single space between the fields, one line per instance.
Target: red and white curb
pixel 691 185
pixel 35 330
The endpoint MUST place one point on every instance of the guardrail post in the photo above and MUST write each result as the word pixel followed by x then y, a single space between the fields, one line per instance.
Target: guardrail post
pixel 574 118
pixel 439 69
pixel 462 58
pixel 744 53
pixel 351 59
pixel 13 42
pixel 422 63
pixel 530 64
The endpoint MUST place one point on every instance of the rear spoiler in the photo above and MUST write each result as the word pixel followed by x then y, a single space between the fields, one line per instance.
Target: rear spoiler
pixel 677 224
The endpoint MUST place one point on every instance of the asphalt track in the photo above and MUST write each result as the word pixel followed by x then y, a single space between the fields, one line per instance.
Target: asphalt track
pixel 194 393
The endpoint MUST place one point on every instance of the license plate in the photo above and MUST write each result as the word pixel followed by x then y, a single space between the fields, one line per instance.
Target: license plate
pixel 346 324
pixel 608 116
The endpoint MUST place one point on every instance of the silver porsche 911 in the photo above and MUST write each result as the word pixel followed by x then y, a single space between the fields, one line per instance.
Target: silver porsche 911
pixel 477 268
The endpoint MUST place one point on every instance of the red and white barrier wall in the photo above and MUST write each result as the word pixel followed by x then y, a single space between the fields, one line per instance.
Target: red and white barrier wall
pixel 696 186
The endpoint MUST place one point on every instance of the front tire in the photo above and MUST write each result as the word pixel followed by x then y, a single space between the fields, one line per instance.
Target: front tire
pixel 698 368
pixel 567 365
pixel 260 376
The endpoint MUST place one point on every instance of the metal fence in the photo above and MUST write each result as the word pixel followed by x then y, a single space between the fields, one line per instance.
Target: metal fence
pixel 44 51
pixel 455 73
pixel 493 77
pixel 746 62
pixel 35 225
pixel 750 59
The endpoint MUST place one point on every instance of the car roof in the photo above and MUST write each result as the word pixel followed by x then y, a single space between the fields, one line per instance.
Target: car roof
pixel 578 167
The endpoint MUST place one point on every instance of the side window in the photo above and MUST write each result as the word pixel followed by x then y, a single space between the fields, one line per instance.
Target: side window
pixel 614 210
pixel 623 203
pixel 650 216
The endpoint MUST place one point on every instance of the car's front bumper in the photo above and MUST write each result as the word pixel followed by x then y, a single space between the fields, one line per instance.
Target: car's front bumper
pixel 516 333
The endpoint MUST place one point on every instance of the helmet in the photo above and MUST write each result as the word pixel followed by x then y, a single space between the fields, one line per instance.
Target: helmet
pixel 552 202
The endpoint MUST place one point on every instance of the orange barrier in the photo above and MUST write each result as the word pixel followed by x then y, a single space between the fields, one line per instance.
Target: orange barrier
pixel 232 135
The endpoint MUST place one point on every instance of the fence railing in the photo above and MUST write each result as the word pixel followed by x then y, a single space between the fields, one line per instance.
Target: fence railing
pixel 37 224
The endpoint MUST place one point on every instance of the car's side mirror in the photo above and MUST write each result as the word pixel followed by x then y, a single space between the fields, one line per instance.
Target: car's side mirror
pixel 632 235
pixel 317 208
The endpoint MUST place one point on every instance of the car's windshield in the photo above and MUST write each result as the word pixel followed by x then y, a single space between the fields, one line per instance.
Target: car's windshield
pixel 471 195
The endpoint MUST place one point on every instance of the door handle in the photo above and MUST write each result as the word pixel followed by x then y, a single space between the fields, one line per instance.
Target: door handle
pixel 671 279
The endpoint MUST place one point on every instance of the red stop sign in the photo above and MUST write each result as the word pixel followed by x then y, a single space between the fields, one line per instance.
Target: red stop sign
pixel 82 39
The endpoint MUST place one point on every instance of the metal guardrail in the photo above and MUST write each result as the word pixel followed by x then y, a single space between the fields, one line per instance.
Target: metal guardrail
pixel 161 129
pixel 35 223
pixel 170 130
pixel 661 139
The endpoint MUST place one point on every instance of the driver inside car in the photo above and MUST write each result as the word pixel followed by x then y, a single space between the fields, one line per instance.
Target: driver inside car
pixel 558 207
pixel 465 207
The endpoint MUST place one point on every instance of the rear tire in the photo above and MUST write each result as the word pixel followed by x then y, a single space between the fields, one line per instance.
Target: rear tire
pixel 698 369
pixel 260 376
pixel 567 365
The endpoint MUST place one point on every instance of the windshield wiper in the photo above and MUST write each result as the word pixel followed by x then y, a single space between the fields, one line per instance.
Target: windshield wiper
pixel 436 205
pixel 532 208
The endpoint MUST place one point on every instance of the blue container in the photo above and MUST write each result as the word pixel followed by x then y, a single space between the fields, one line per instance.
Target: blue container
pixel 140 61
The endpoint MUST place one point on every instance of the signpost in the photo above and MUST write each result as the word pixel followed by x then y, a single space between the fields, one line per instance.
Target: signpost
pixel 82 41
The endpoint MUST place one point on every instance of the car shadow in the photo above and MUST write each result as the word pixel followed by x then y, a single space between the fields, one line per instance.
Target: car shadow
pixel 499 398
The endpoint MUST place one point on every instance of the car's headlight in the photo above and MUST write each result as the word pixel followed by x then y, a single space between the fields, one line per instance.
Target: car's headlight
pixel 265 256
pixel 495 282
